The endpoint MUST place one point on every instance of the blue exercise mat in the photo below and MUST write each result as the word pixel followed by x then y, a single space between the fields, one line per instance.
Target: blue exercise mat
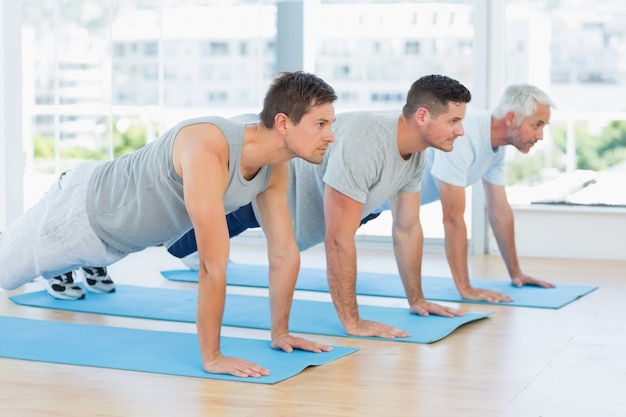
pixel 146 350
pixel 315 317
pixel 390 285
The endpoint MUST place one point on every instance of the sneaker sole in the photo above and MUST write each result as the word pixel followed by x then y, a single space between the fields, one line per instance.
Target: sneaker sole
pixel 96 290
pixel 92 288
pixel 59 295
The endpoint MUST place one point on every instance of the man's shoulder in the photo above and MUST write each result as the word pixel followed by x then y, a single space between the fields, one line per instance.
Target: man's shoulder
pixel 246 118
pixel 477 128
pixel 476 119
pixel 360 125
pixel 372 116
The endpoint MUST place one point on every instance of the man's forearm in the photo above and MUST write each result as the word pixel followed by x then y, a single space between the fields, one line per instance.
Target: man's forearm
pixel 210 309
pixel 504 230
pixel 282 282
pixel 456 254
pixel 341 272
pixel 408 249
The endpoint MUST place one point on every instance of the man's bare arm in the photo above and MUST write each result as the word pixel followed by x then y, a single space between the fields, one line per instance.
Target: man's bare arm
pixel 284 261
pixel 201 159
pixel 342 217
pixel 408 242
pixel 502 223
pixel 455 229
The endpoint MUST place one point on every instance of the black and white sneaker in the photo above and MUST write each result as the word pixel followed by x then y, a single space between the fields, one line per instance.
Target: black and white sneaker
pixel 97 280
pixel 63 287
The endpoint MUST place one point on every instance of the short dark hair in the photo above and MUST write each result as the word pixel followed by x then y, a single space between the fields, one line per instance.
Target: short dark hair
pixel 294 93
pixel 435 92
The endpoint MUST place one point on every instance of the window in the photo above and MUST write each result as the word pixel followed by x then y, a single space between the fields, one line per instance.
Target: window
pixel 151 48
pixel 217 97
pixel 215 48
pixel 156 62
pixel 575 54
pixel 93 65
pixel 90 63
pixel 412 48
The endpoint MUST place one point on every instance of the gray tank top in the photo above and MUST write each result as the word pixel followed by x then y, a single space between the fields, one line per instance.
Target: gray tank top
pixel 136 201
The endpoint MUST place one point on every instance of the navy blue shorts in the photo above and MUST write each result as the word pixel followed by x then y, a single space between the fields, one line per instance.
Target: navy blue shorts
pixel 238 221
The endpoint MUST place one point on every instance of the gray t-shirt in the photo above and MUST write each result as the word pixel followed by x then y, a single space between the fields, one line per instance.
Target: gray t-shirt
pixel 136 201
pixel 364 164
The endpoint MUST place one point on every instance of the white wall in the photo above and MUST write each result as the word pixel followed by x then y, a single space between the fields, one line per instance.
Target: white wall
pixel 571 232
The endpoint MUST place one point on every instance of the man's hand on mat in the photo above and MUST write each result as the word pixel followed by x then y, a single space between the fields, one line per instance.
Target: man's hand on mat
pixel 425 308
pixel 523 279
pixel 489 296
pixel 236 367
pixel 288 343
pixel 375 329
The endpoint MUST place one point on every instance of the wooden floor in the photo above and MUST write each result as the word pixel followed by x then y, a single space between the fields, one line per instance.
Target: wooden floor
pixel 520 362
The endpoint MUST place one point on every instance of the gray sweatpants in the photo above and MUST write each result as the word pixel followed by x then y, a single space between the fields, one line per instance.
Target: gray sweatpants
pixel 54 236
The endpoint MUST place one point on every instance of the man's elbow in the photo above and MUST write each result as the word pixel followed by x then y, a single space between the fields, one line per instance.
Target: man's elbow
pixel 334 242
pixel 287 253
pixel 453 220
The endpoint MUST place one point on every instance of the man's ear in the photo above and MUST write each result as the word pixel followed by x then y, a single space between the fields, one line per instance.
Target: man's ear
pixel 421 116
pixel 510 119
pixel 280 122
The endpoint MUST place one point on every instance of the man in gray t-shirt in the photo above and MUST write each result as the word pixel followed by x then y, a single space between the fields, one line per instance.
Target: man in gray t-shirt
pixel 376 157
pixel 518 120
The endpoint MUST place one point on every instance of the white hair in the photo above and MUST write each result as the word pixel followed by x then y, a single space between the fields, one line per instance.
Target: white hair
pixel 522 100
